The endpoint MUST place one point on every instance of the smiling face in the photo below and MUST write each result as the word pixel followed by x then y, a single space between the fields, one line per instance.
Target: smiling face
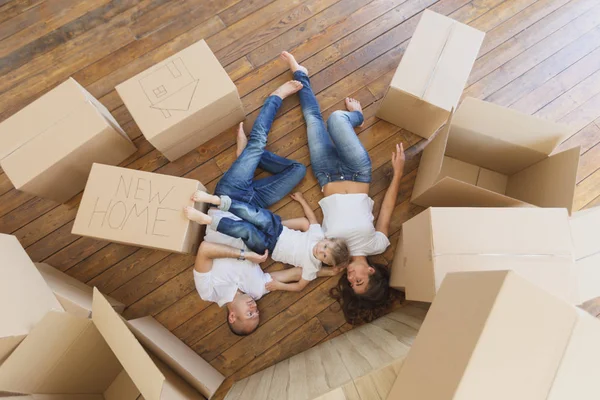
pixel 358 276
pixel 322 251
pixel 243 315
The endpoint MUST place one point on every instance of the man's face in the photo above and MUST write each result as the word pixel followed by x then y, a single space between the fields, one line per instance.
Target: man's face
pixel 244 314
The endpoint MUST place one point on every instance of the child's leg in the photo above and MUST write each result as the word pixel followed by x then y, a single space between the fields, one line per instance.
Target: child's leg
pixel 263 219
pixel 256 240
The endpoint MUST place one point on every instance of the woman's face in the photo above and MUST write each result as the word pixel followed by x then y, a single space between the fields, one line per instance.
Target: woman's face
pixel 358 276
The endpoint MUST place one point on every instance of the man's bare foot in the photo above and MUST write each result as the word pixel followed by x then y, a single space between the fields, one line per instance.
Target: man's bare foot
pixel 201 196
pixel 287 89
pixel 197 216
pixel 242 140
pixel 274 285
pixel 354 105
pixel 291 60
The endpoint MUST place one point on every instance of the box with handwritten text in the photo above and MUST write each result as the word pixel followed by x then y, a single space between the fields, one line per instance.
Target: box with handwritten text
pixel 139 208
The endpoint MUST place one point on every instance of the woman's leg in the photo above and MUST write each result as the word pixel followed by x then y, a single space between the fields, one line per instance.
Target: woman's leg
pixel 354 156
pixel 286 175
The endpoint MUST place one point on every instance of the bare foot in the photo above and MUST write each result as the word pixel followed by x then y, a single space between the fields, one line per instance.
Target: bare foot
pixel 242 140
pixel 287 89
pixel 294 66
pixel 197 216
pixel 354 105
pixel 201 196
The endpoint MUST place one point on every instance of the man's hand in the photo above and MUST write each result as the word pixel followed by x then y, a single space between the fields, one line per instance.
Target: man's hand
pixel 273 285
pixel 398 159
pixel 298 196
pixel 257 258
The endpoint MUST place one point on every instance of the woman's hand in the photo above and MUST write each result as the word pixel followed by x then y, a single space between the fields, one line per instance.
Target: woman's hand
pixel 398 159
pixel 257 258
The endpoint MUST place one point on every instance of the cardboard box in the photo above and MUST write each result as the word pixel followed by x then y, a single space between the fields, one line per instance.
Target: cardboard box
pixel 494 335
pixel 139 208
pixel 535 242
pixel 491 156
pixel 24 295
pixel 66 354
pixel 585 230
pixel 184 361
pixel 432 74
pixel 47 148
pixel 73 295
pixel 183 101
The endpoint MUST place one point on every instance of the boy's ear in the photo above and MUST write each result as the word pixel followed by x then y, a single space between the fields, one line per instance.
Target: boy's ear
pixel 231 317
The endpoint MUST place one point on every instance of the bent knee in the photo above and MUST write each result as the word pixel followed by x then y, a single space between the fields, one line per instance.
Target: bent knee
pixel 336 117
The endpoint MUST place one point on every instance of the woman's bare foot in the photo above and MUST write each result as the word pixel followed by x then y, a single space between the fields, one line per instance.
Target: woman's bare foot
pixel 201 196
pixel 242 140
pixel 287 89
pixel 354 105
pixel 291 60
pixel 197 216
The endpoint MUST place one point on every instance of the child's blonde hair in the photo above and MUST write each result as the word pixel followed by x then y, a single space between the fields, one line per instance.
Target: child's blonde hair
pixel 339 251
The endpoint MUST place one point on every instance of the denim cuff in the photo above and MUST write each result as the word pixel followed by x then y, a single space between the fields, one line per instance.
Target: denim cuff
pixel 300 74
pixel 357 118
pixel 273 99
pixel 214 224
pixel 225 203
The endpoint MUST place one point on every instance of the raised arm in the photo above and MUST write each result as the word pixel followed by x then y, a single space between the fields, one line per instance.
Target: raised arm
pixel 389 200
pixel 310 214
pixel 209 251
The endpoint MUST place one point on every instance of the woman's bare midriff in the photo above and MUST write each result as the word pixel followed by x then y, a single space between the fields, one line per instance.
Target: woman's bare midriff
pixel 345 187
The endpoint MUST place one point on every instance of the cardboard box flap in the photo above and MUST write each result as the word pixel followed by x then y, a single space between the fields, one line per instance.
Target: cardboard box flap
pixel 418 247
pixel 122 388
pixel 483 134
pixel 585 230
pixel 431 160
pixel 175 354
pixel 516 231
pixel 62 354
pixel 549 183
pixel 138 364
pixel 450 192
pixel 587 278
pixel 8 344
pixel 21 286
pixel 74 296
pixel 577 376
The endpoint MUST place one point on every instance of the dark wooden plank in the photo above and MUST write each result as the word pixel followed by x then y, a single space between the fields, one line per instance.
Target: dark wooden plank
pixel 12 9
pixel 241 10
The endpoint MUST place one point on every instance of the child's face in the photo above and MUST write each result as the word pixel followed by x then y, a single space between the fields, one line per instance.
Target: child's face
pixel 322 252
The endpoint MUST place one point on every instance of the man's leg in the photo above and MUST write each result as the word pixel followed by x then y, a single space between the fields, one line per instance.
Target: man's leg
pixel 323 154
pixel 237 181
pixel 286 175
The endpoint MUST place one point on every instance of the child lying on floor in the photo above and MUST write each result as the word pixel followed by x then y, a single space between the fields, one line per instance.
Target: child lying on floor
pixel 299 242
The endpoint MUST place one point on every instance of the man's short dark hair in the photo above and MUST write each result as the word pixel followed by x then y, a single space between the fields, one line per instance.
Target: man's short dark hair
pixel 236 331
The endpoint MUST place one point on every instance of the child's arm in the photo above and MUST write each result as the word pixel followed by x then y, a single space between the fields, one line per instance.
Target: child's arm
pixel 288 287
pixel 329 271
pixel 299 224
pixel 310 215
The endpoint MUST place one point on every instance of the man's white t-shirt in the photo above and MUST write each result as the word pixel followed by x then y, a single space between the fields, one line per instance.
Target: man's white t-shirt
pixel 296 248
pixel 350 217
pixel 227 275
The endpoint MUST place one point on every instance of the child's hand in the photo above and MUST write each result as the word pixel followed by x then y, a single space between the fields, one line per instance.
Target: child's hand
pixel 337 269
pixel 273 285
pixel 298 196
pixel 257 258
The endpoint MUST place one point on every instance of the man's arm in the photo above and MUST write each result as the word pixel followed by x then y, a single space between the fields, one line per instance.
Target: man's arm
pixel 209 251
pixel 389 200
pixel 310 214
pixel 288 287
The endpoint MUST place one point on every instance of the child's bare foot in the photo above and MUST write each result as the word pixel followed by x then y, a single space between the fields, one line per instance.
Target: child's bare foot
pixel 354 105
pixel 287 89
pixel 242 140
pixel 197 216
pixel 200 196
pixel 291 60
pixel 274 285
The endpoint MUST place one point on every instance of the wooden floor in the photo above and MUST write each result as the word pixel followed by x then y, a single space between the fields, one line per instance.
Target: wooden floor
pixel 541 57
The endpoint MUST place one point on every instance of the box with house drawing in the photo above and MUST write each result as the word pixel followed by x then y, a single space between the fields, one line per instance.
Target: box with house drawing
pixel 432 74
pixel 183 101
pixel 139 208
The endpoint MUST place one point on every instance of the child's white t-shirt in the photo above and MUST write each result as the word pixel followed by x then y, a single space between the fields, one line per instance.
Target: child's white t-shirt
pixel 296 248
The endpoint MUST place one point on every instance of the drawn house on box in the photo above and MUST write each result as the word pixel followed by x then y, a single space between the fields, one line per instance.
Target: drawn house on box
pixel 170 88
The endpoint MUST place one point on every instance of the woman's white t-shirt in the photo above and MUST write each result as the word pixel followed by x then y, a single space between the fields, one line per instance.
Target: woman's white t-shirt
pixel 350 217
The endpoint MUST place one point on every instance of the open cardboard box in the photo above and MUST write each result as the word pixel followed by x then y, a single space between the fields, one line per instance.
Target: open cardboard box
pixel 183 101
pixel 24 295
pixel 139 208
pixel 65 354
pixel 494 335
pixel 585 230
pixel 432 74
pixel 491 156
pixel 73 295
pixel 47 148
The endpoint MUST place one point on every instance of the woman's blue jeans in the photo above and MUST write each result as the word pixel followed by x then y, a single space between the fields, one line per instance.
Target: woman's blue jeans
pixel 336 153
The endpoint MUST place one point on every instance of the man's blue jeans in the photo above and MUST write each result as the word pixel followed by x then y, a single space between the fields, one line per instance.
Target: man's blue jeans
pixel 336 153
pixel 238 182
pixel 259 228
